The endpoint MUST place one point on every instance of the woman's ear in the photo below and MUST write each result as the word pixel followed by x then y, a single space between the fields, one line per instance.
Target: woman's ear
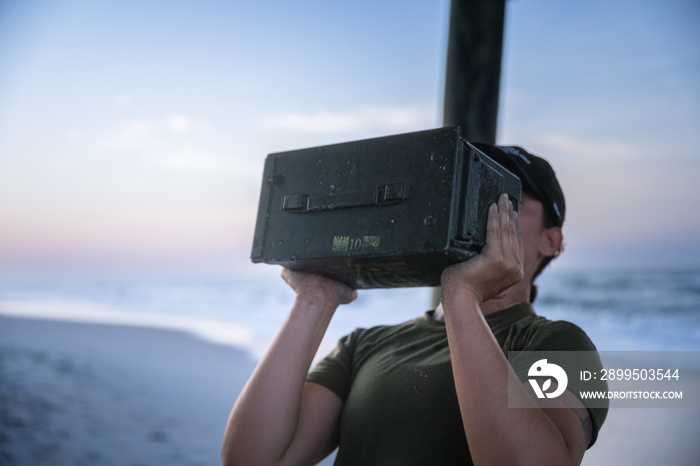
pixel 551 241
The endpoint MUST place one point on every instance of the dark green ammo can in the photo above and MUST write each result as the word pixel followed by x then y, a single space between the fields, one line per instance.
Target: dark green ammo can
pixel 386 212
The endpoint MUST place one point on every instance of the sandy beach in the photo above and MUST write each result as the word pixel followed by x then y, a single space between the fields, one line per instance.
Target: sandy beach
pixel 89 394
pixel 85 394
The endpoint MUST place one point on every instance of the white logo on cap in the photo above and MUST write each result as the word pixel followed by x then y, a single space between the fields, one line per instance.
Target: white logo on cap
pixel 516 152
pixel 556 209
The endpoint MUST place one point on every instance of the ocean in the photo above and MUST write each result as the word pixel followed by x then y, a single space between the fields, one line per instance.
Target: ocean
pixel 630 310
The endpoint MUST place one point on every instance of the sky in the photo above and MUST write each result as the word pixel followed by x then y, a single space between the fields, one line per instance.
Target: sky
pixel 134 133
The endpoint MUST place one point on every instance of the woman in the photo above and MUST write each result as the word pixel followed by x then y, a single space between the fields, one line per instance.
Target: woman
pixel 434 390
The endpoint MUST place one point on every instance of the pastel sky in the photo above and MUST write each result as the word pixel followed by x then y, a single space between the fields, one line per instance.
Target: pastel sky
pixel 135 131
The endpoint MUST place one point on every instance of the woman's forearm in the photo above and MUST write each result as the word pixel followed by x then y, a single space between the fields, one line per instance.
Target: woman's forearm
pixel 496 433
pixel 264 419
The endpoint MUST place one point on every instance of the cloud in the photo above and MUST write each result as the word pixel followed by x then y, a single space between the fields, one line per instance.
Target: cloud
pixel 75 136
pixel 133 134
pixel 193 163
pixel 123 99
pixel 387 118
pixel 575 154
pixel 144 135
pixel 179 123
pixel 585 149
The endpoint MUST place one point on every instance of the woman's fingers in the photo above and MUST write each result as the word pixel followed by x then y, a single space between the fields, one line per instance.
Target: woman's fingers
pixel 505 223
pixel 493 229
pixel 518 244
pixel 305 283
pixel 510 237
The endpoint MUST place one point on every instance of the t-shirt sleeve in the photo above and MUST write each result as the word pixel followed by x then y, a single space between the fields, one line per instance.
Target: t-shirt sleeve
pixel 335 370
pixel 581 354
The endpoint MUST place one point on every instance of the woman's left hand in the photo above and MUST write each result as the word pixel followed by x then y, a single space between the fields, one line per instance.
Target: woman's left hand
pixel 499 265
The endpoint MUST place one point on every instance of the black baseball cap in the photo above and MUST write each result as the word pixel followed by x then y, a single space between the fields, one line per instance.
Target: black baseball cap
pixel 535 173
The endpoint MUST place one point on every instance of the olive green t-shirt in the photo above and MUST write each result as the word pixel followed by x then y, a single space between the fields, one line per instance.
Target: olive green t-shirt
pixel 400 403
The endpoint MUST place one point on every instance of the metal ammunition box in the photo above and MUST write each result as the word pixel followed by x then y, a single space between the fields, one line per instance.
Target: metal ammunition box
pixel 379 213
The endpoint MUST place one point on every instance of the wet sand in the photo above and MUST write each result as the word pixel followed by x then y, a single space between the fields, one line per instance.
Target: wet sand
pixel 85 394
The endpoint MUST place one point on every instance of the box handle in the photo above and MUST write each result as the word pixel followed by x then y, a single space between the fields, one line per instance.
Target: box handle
pixel 381 195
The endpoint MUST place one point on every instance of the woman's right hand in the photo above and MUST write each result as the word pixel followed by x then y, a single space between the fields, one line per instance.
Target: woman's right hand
pixel 318 288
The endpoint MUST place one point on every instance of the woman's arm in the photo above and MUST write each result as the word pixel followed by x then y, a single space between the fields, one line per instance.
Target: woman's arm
pixel 496 433
pixel 279 418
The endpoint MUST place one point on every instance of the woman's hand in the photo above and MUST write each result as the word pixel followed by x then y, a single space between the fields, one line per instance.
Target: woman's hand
pixel 318 289
pixel 499 265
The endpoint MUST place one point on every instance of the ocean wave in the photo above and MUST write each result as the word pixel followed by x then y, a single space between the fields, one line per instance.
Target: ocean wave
pixel 634 310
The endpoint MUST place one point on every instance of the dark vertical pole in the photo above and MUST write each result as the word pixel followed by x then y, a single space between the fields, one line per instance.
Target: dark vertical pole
pixel 473 74
pixel 474 67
